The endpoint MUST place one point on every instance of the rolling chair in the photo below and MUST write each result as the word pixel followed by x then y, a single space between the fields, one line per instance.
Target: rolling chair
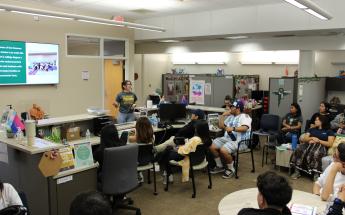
pixel 269 127
pixel 119 174
pixel 198 161
pixel 146 162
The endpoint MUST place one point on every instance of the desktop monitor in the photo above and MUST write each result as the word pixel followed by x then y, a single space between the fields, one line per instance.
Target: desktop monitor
pixel 172 112
pixel 155 99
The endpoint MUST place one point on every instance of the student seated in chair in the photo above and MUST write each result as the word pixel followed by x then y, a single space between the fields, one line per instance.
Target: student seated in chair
pixel 338 123
pixel 331 180
pixel 143 132
pixel 186 131
pixel 308 155
pixel 292 124
pixel 180 153
pixel 8 196
pixel 274 194
pixel 90 203
pixel 237 127
pixel 143 135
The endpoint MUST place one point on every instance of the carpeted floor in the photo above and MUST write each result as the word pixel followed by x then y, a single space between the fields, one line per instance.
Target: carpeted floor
pixel 178 200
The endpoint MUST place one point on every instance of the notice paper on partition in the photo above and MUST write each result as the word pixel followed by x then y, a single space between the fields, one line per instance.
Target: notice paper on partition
pixel 83 154
pixel 197 92
pixel 3 153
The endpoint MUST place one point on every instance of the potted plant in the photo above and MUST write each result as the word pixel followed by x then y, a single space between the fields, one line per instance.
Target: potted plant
pixel 9 133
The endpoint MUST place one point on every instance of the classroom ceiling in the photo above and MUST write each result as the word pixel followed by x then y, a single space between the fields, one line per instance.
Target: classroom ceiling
pixel 139 9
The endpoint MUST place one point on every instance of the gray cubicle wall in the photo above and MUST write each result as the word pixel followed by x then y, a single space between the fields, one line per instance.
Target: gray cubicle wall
pixel 311 91
pixel 220 87
pixel 282 92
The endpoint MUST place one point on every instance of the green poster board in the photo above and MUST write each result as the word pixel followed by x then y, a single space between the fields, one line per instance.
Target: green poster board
pixel 83 154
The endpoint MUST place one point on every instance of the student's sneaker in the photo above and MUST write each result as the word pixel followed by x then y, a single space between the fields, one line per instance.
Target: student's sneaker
pixel 228 174
pixel 216 170
pixel 296 174
pixel 170 179
pixel 140 177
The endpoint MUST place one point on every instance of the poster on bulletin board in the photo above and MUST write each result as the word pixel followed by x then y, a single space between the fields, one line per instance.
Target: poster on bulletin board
pixel 197 92
pixel 83 154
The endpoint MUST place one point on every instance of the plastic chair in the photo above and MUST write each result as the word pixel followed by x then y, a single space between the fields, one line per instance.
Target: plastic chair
pixel 269 127
pixel 146 162
pixel 198 161
pixel 250 148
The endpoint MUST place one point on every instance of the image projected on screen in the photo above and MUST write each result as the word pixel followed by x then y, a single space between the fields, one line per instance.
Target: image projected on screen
pixel 42 63
pixel 24 63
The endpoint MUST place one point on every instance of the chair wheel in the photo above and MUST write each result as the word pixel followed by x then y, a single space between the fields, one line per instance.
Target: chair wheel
pixel 253 171
pixel 193 195
pixel 138 212
pixel 209 187
pixel 165 189
pixel 155 193
pixel 236 177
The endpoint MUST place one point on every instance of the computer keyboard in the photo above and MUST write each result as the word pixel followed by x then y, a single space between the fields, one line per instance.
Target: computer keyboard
pixel 125 126
pixel 178 123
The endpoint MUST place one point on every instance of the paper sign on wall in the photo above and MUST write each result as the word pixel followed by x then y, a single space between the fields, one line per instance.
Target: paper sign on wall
pixel 197 92
pixel 208 89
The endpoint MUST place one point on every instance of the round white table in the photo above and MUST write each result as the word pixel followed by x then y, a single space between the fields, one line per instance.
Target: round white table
pixel 232 203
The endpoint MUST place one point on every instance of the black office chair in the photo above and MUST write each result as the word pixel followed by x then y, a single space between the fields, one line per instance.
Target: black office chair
pixel 251 146
pixel 14 210
pixel 269 127
pixel 198 161
pixel 146 162
pixel 119 174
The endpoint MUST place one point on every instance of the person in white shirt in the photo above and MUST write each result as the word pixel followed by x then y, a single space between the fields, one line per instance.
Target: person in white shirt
pixel 8 196
pixel 237 127
pixel 333 177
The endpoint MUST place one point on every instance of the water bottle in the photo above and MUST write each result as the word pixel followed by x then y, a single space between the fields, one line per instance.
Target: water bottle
pixel 88 135
pixel 19 135
pixel 294 141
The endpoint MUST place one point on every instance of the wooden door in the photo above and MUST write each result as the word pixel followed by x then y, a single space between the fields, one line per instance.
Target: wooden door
pixel 113 77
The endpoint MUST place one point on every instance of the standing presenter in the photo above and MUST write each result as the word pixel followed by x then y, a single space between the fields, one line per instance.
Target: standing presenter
pixel 125 101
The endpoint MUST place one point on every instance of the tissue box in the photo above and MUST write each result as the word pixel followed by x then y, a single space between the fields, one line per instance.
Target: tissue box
pixel 73 133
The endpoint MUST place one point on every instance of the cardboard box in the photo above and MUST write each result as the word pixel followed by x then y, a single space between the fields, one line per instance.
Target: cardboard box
pixel 73 133
pixel 283 157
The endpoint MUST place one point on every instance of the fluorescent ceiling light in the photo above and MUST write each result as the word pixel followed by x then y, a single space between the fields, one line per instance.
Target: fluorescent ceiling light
pixel 168 41
pixel 270 57
pixel 295 3
pixel 101 23
pixel 236 37
pixel 311 8
pixel 43 15
pixel 70 16
pixel 141 28
pixel 315 14
pixel 217 58
pixel 2 9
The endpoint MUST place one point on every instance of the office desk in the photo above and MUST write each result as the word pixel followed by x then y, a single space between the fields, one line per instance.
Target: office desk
pixel 46 196
pixel 232 203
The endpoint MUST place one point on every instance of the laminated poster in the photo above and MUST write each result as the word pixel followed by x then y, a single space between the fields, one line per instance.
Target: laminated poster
pixel 197 92
pixel 83 154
